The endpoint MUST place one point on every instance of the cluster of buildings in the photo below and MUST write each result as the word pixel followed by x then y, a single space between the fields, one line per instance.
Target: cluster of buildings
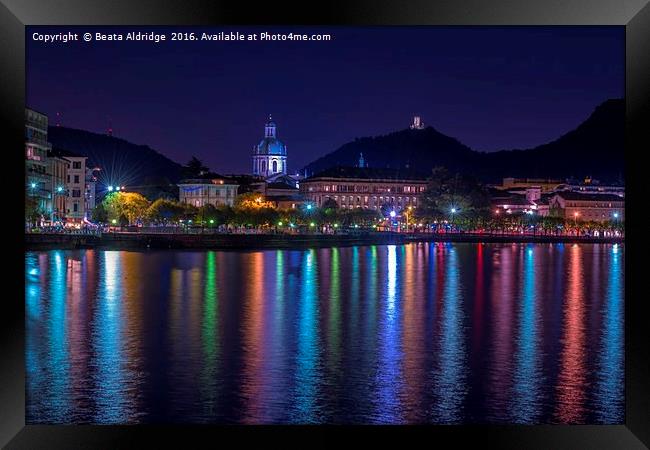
pixel 586 200
pixel 350 187
pixel 59 182
pixel 64 186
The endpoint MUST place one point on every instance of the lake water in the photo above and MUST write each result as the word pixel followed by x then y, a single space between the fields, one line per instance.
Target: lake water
pixel 419 333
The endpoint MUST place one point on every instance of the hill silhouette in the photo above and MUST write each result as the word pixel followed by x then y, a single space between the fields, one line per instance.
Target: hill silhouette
pixel 122 162
pixel 594 148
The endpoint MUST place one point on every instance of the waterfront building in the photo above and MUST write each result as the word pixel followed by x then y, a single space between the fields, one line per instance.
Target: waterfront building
pixel 90 191
pixel 368 188
pixel 58 169
pixel 591 186
pixel 528 200
pixel 74 190
pixel 209 188
pixel 38 180
pixel 270 155
pixel 578 206
pixel 283 195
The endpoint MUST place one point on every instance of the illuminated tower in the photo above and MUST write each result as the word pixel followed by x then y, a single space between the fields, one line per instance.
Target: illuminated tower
pixel 270 155
pixel 417 123
pixel 362 162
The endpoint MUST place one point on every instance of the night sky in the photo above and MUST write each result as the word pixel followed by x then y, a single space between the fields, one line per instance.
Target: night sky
pixel 492 88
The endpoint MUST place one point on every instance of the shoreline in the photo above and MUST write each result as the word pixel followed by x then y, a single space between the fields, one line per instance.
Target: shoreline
pixel 125 241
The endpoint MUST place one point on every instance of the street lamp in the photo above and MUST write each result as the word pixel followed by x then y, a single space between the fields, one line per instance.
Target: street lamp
pixel 309 206
pixel 393 213
pixel 453 211
pixel 110 188
pixel 33 185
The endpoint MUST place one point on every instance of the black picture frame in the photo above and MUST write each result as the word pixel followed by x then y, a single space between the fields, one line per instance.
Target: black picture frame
pixel 633 15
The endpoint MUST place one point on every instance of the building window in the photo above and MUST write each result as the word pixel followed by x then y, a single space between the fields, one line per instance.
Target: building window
pixel 75 207
pixel 76 165
pixel 76 179
pixel 76 193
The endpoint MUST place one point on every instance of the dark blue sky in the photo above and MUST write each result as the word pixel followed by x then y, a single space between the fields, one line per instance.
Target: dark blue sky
pixel 490 87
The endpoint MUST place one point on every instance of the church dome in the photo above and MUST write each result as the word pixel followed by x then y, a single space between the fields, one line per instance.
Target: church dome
pixel 271 146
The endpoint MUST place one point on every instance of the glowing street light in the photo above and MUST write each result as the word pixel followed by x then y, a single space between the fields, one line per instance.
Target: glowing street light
pixel 309 206
pixel 280 224
pixel 393 213
pixel 117 188
pixel 615 215
pixel 114 221
pixel 33 185
pixel 211 221
pixel 312 224
pixel 453 210
pixel 59 189
pixel 110 189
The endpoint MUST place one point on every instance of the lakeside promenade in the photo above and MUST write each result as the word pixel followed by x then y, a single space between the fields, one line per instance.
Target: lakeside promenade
pixel 242 241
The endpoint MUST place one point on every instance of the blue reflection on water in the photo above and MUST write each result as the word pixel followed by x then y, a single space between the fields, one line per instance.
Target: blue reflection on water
pixel 388 372
pixel 307 357
pixel 58 349
pixel 449 378
pixel 109 373
pixel 525 408
pixel 610 382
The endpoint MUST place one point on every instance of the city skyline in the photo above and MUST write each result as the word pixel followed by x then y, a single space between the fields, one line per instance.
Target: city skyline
pixel 319 107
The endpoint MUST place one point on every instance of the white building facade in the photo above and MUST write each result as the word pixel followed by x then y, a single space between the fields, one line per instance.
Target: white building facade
pixel 216 191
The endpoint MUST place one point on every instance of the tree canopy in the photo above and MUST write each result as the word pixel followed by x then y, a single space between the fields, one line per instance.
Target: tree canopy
pixel 194 168
pixel 450 194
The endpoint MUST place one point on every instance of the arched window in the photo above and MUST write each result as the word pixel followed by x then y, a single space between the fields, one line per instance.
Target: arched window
pixel 275 166
pixel 263 166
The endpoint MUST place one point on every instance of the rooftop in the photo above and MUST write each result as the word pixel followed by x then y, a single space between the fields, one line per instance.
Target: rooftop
pixel 280 185
pixel 369 173
pixel 572 195
pixel 207 178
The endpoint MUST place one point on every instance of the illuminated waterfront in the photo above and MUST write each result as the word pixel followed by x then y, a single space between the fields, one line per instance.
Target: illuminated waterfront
pixel 416 333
